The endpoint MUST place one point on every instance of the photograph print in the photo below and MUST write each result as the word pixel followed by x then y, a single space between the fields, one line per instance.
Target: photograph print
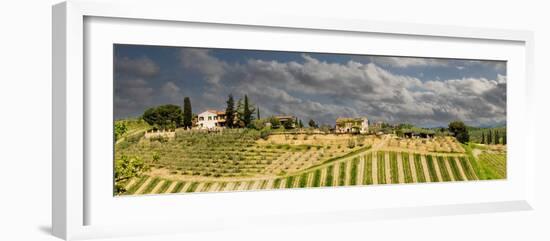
pixel 191 120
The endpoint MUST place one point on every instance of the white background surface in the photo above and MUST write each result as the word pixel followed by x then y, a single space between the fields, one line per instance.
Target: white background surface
pixel 25 102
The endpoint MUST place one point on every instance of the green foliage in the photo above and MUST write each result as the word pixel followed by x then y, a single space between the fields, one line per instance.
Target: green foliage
pixel 393 167
pixel 120 129
pixel 329 176
pixel 342 174
pixel 419 169
pixel 289 124
pixel 353 171
pixel 381 166
pixel 230 112
pixel 367 173
pixel 459 130
pixel 275 123
pixel 127 168
pixel 164 116
pixel 317 178
pixel 303 180
pixel 431 169
pixel 187 113
pixel 406 167
pixel 454 169
pixel 312 124
pixel 443 169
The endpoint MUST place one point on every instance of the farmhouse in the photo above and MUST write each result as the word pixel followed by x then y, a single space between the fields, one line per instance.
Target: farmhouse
pixel 352 125
pixel 418 132
pixel 286 118
pixel 211 119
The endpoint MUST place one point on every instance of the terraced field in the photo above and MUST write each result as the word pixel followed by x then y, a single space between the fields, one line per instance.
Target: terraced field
pixel 495 163
pixel 239 161
pixel 366 168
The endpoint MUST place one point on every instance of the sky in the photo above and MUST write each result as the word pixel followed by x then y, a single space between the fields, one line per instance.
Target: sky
pixel 426 92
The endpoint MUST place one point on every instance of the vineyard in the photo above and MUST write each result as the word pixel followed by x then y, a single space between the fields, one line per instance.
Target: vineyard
pixel 239 161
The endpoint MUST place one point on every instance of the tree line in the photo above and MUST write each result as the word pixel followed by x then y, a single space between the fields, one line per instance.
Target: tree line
pixel 493 137
pixel 243 112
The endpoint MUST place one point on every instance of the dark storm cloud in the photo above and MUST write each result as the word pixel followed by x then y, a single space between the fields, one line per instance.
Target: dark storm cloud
pixel 313 88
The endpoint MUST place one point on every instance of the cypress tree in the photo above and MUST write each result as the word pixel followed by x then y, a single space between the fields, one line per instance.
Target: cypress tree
pixel 497 141
pixel 258 111
pixel 489 137
pixel 482 138
pixel 187 113
pixel 247 113
pixel 230 112
pixel 504 138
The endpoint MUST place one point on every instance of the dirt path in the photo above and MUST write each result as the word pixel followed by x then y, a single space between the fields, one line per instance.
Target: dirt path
pixel 282 184
pixel 229 187
pixel 269 184
pixel 256 185
pixel 171 187
pixel 309 182
pixel 214 187
pixel 185 186
pixel 323 177
pixel 413 168
pixel 130 183
pixel 449 170
pixel 437 170
pixel 374 168
pixel 336 174
pixel 157 187
pixel 360 170
pixel 400 168
pixel 460 168
pixel 144 185
pixel 387 167
pixel 425 168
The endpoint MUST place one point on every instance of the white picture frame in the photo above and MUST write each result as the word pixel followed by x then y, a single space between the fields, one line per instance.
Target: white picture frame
pixel 75 197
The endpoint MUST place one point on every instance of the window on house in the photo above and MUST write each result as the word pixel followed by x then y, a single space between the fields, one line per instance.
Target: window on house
pixel 210 118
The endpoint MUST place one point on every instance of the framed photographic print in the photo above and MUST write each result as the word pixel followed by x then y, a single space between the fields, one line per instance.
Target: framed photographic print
pixel 177 112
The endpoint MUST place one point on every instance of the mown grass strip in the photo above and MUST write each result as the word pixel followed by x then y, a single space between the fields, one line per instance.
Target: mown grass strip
pixel 330 176
pixel 151 185
pixel 137 185
pixel 393 168
pixel 303 180
pixel 317 178
pixel 263 184
pixel 289 182
pixel 381 166
pixel 419 169
pixel 406 167
pixel 222 186
pixel 192 187
pixel 178 187
pixel 206 186
pixel 367 174
pixel 164 186
pixel 466 167
pixel 353 171
pixel 342 174
pixel 277 183
pixel 431 169
pixel 443 169
pixel 454 169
